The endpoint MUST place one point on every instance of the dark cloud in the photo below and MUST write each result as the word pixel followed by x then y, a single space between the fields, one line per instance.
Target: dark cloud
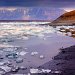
pixel 37 3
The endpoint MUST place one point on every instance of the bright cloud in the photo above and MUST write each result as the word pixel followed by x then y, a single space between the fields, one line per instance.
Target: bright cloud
pixel 69 9
pixel 9 9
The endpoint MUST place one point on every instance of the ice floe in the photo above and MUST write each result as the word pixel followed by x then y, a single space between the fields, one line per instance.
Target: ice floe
pixel 34 53
pixel 10 49
pixel 19 60
pixel 15 68
pixel 11 55
pixel 46 70
pixel 5 68
pixel 41 57
pixel 57 72
pixel 35 71
pixel 22 53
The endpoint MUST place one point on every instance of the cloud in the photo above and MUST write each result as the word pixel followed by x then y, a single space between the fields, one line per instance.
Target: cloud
pixel 38 3
pixel 69 9
pixel 8 9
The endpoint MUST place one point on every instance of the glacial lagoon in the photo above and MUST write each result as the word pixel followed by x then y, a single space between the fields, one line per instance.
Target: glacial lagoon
pixel 26 46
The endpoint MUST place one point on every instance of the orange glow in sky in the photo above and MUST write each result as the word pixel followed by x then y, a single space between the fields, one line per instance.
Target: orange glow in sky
pixel 69 9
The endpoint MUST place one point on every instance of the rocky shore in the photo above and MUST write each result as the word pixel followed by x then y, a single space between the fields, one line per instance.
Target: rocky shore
pixel 61 64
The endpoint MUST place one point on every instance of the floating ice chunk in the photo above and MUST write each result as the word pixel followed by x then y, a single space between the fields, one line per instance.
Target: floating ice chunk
pixel 23 53
pixel 26 48
pixel 46 70
pixel 49 31
pixel 12 55
pixel 4 62
pixel 19 60
pixel 10 49
pixel 35 71
pixel 6 40
pixel 34 53
pixel 44 38
pixel 41 56
pixel 5 45
pixel 23 68
pixel 56 72
pixel 40 35
pixel 28 74
pixel 15 68
pixel 5 68
pixel 62 30
pixel 25 38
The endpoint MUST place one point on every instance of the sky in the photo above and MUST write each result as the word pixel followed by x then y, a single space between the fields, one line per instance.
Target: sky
pixel 29 3
pixel 65 4
pixel 10 8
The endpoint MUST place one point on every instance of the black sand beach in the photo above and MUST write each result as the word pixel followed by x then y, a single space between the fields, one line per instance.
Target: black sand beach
pixel 64 61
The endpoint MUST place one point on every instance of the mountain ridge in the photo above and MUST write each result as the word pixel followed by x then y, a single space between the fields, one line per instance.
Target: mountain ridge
pixel 66 18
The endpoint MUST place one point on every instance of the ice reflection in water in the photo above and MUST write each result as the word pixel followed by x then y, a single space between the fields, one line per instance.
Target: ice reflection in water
pixel 23 44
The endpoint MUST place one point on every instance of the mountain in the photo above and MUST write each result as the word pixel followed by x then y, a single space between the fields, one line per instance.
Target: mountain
pixel 30 13
pixel 66 18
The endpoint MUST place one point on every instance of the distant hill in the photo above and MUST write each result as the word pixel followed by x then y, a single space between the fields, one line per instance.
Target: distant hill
pixel 67 18
pixel 30 13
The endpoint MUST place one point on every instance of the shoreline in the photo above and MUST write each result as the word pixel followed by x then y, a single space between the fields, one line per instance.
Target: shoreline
pixel 63 61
